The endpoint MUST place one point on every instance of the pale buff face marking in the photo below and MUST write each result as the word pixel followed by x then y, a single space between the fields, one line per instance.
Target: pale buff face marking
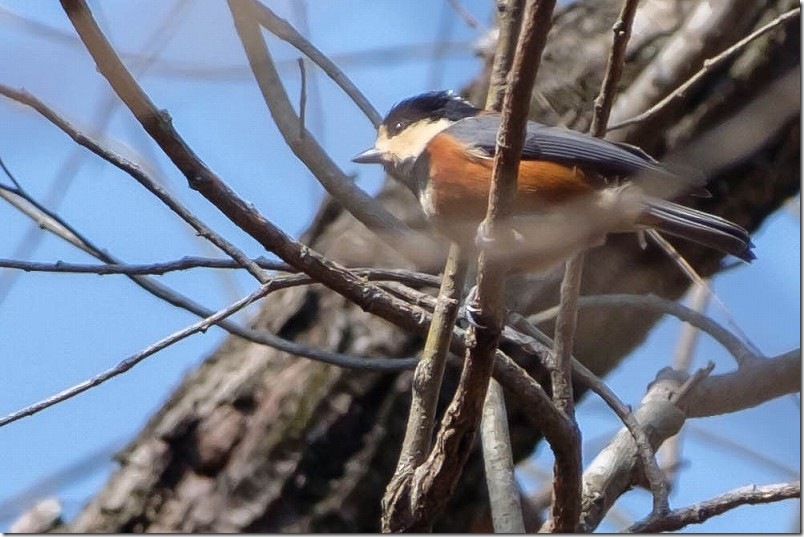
pixel 409 143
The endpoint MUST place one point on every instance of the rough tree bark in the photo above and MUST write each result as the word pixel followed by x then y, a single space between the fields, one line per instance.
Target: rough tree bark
pixel 258 440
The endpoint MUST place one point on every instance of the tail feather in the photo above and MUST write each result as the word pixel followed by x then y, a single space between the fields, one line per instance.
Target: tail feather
pixel 697 226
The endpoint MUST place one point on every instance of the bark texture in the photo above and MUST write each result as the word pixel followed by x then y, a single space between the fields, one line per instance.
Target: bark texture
pixel 258 440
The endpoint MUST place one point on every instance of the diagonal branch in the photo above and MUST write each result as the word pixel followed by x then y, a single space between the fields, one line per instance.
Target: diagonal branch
pixel 286 32
pixel 247 16
pixel 158 125
pixel 708 66
pixel 23 97
pixel 703 511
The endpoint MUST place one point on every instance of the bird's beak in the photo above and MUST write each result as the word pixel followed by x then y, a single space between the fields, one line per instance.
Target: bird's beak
pixel 369 156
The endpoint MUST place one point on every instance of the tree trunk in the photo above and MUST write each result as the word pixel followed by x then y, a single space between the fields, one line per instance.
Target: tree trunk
pixel 259 440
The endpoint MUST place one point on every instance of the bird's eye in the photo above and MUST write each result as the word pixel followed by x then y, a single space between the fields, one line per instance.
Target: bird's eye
pixel 396 128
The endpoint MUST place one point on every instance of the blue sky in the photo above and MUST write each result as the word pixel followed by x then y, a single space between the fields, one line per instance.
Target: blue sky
pixel 57 329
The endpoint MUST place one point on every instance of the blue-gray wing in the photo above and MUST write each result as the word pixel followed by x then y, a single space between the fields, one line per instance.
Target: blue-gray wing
pixel 560 145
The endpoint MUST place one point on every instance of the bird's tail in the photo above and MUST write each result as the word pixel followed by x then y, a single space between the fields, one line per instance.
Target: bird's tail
pixel 700 227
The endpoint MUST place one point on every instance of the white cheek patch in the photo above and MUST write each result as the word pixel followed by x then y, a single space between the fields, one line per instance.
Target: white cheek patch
pixel 409 143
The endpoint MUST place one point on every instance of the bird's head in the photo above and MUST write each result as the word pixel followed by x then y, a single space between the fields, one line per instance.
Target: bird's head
pixel 410 125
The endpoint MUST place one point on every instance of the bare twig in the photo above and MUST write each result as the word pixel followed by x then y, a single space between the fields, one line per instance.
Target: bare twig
pixel 302 99
pixel 130 269
pixel 407 277
pixel 703 511
pixel 157 289
pixel 72 235
pixel 585 377
pixel 702 284
pixel 566 320
pixel 509 21
pixel 134 359
pixel 741 352
pixel 483 338
pixel 565 507
pixel 369 297
pixel 656 480
pixel 237 72
pixel 614 68
pixel 286 32
pixel 23 97
pixel 435 479
pixel 362 206
pixel 463 13
pixel 612 472
pixel 44 218
pixel 708 66
pixel 429 374
pixel 67 170
pixel 758 456
pixel 682 360
pixel 688 45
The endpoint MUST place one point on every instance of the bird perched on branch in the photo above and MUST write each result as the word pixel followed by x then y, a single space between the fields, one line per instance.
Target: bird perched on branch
pixel 572 189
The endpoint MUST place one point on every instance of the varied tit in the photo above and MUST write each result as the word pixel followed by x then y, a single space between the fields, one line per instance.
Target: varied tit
pixel 572 188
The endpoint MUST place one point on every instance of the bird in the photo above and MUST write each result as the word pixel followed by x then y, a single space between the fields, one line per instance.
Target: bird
pixel 573 189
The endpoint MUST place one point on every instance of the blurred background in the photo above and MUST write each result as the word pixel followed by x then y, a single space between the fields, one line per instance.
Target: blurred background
pixel 59 329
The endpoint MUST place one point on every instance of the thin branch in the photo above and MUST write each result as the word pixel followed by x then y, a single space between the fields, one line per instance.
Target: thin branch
pixel 708 66
pixel 436 478
pixel 661 415
pixel 653 474
pixel 302 99
pixel 155 288
pixel 66 172
pixel 656 480
pixel 682 360
pixel 131 269
pixel 342 360
pixel 696 279
pixel 44 218
pixel 286 32
pixel 137 173
pixel 72 235
pixel 134 359
pixel 405 276
pixel 247 16
pixel 703 511
pixel 369 297
pixel 237 72
pixel 612 472
pixel 429 373
pixel 742 353
pixel 482 338
pixel 614 68
pixel 509 21
pixel 757 456
pixel 463 13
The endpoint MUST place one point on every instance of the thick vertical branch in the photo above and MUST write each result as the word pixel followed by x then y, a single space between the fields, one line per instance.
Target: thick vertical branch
pixel 504 497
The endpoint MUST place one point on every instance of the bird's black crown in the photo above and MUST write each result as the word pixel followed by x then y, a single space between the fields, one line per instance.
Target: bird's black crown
pixel 433 105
